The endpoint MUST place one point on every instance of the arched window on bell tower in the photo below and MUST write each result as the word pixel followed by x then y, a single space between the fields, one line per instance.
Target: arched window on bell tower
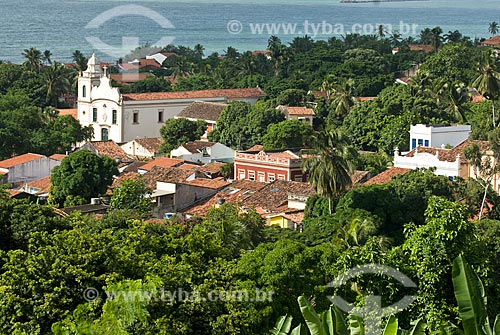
pixel 84 91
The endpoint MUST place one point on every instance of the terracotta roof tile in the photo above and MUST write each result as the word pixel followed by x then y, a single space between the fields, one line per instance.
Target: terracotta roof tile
pixel 58 157
pixel 450 155
pixel 162 162
pixel 42 184
pixel 188 166
pixel 494 41
pixel 256 147
pixel 107 148
pixel 227 93
pixel 275 195
pixel 151 144
pixel 200 110
pixel 234 193
pixel 212 168
pixel 421 47
pixel 69 111
pixel 208 183
pixel 124 176
pixel 152 63
pixel 13 193
pixel 386 176
pixel 21 159
pixel 296 110
pixel 166 175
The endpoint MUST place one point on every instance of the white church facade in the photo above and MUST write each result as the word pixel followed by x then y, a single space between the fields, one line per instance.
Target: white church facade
pixel 125 117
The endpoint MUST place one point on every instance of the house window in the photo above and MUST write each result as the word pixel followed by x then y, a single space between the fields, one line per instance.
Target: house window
pixel 251 175
pixel 241 174
pixel 160 116
pixel 262 177
pixel 298 178
pixel 413 143
pixel 84 91
pixel 104 134
pixel 135 117
pixel 271 177
pixel 420 142
pixel 114 116
pixel 281 177
pixel 426 143
pixel 94 114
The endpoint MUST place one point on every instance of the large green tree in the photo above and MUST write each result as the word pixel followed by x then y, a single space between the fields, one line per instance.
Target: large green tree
pixel 176 132
pixel 287 134
pixel 81 176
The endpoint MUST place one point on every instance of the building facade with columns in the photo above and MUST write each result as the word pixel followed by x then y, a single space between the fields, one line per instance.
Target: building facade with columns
pixel 125 117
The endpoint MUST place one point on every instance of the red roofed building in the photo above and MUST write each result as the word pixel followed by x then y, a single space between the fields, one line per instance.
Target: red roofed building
pixel 164 162
pixel 303 114
pixel 125 117
pixel 26 168
pixel 492 42
pixel 268 166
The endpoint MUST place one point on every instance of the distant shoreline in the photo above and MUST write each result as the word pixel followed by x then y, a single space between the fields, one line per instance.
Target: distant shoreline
pixel 371 1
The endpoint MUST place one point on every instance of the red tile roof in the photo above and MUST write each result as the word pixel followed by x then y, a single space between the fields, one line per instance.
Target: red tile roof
pixel 208 183
pixel 143 62
pixel 494 41
pixel 151 144
pixel 42 185
pixel 212 168
pixel 450 155
pixel 234 193
pixel 227 93
pixel 274 196
pixel 296 110
pixel 478 99
pixel 164 162
pixel 129 67
pixel 188 166
pixel 8 163
pixel 108 148
pixel 58 157
pixel 13 193
pixel 386 176
pixel 366 98
pixel 421 47
pixel 69 111
pixel 256 147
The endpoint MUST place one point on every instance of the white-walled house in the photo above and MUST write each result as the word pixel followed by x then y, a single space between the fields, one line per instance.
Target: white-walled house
pixel 125 117
pixel 26 168
pixel 437 136
pixel 204 152
pixel 143 147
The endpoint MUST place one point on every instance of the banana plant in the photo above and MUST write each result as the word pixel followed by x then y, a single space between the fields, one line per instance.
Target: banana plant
pixel 334 322
pixel 471 299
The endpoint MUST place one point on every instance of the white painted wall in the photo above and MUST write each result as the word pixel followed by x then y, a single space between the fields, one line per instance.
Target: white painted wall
pixel 32 170
pixel 135 149
pixel 426 160
pixel 438 136
pixel 218 152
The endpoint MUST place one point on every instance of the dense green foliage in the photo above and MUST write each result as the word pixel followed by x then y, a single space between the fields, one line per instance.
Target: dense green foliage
pixel 176 132
pixel 82 175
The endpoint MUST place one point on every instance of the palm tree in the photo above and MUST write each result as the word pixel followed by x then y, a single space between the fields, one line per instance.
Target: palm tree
pixel 328 163
pixel 437 39
pixel 453 37
pixel 276 52
pixel 80 60
pixel 33 59
pixel 395 38
pixel 381 31
pixel 426 36
pixel 247 64
pixel 182 67
pixel 302 44
pixel 342 98
pixel 493 28
pixel 488 80
pixel 57 81
pixel 47 57
pixel 455 97
pixel 199 51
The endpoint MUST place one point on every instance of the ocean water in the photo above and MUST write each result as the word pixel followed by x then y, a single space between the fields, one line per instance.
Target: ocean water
pixel 112 27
